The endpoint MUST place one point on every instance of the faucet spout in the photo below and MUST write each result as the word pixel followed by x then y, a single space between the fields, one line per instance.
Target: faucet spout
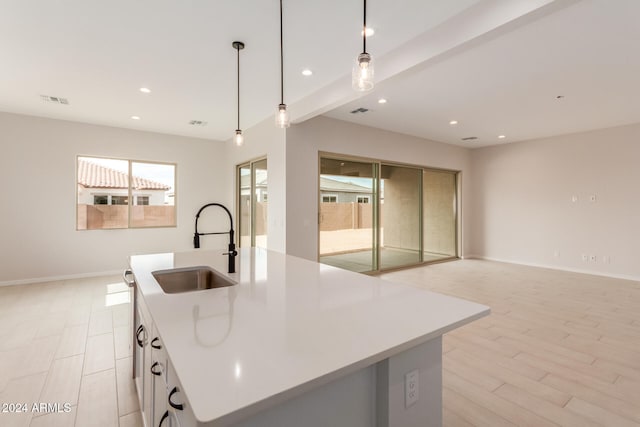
pixel 232 253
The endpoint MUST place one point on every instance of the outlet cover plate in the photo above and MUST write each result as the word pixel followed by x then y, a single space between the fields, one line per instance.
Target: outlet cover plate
pixel 411 388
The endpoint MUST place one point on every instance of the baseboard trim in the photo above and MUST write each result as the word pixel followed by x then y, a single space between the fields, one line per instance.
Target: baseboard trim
pixel 56 278
pixel 555 267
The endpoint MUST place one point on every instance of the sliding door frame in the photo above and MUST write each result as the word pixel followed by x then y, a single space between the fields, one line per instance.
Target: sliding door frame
pixel 377 170
pixel 252 203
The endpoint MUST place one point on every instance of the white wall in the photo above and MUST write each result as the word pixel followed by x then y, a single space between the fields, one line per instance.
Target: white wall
pixel 263 139
pixel 517 208
pixel 305 140
pixel 523 210
pixel 38 233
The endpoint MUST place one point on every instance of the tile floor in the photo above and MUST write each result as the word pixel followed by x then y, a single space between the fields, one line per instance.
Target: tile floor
pixel 361 261
pixel 68 342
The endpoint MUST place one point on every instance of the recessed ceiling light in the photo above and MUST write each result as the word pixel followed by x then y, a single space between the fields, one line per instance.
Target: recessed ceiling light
pixel 135 117
pixel 453 122
pixel 369 32
pixel 501 136
pixel 145 90
pixel 307 72
pixel 382 101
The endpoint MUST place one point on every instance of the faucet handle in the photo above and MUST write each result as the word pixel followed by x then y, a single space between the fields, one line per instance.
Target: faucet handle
pixel 232 253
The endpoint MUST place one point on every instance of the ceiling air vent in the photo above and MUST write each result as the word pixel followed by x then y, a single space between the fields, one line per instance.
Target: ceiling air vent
pixel 360 110
pixel 56 99
pixel 197 123
pixel 470 138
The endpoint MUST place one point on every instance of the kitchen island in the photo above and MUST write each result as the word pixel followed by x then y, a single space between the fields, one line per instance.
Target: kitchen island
pixel 293 343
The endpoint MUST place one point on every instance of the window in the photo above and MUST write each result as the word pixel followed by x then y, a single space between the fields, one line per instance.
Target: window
pixel 363 199
pixel 329 198
pixel 119 200
pixel 113 193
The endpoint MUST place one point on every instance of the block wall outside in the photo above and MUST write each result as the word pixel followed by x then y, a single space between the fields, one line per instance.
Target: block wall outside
pixel 342 216
pixel 97 217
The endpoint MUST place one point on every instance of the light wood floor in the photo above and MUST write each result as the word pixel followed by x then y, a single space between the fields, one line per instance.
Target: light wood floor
pixel 559 348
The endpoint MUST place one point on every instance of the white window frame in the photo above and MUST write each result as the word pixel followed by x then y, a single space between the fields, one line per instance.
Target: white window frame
pixel 130 194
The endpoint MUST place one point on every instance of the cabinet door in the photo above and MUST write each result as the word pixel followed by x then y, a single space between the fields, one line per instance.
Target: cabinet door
pixel 159 401
pixel 178 402
pixel 147 395
pixel 138 368
pixel 143 360
pixel 158 371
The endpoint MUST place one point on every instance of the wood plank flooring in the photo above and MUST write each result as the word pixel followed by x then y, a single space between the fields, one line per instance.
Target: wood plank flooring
pixel 559 348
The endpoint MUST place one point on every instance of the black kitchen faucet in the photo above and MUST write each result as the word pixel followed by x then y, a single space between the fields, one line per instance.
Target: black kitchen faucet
pixel 232 247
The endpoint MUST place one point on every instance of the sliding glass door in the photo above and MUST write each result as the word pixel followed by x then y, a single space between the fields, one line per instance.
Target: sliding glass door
pixel 346 214
pixel 400 200
pixel 376 215
pixel 260 200
pixel 244 205
pixel 439 213
pixel 252 203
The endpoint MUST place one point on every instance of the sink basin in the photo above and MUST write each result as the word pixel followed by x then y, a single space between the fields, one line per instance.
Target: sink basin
pixel 178 280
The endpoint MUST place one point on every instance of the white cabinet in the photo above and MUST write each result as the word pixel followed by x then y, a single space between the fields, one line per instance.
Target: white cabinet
pixel 159 392
pixel 142 375
pixel 158 370
pixel 139 336
pixel 177 401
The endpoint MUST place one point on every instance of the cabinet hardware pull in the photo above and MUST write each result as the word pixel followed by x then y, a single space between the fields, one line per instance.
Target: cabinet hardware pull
pixel 138 332
pixel 130 283
pixel 156 346
pixel 178 406
pixel 156 372
pixel 164 417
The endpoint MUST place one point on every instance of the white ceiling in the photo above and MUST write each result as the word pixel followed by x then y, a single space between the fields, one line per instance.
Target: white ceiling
pixel 507 84
pixel 493 65
pixel 97 54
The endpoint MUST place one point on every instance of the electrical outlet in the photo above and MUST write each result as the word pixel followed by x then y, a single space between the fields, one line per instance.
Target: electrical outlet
pixel 585 258
pixel 556 253
pixel 592 258
pixel 411 388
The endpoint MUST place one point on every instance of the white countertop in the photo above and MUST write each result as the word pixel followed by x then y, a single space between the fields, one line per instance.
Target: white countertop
pixel 288 326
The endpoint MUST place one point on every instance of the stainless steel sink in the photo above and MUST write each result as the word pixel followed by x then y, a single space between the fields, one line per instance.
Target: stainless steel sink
pixel 189 279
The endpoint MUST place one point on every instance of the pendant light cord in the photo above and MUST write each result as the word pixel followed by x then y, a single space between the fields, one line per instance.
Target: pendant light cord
pixel 281 60
pixel 364 29
pixel 238 50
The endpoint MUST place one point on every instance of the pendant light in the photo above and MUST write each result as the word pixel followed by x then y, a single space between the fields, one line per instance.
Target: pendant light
pixel 238 139
pixel 362 75
pixel 282 115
